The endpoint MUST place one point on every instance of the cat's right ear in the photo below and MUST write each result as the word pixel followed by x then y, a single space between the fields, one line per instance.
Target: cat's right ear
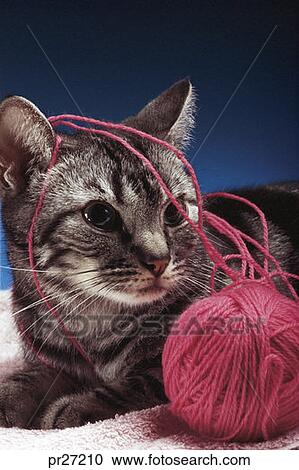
pixel 26 139
pixel 170 116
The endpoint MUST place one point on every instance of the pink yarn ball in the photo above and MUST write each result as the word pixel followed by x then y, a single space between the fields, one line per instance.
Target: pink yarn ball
pixel 231 364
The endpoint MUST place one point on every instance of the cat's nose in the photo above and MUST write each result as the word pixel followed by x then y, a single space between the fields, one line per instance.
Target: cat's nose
pixel 156 266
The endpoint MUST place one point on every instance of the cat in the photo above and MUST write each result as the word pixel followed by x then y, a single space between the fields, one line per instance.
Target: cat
pixel 114 257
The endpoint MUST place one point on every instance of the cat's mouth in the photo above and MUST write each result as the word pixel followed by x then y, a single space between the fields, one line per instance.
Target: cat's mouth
pixel 154 289
pixel 147 295
pixel 143 294
pixel 150 292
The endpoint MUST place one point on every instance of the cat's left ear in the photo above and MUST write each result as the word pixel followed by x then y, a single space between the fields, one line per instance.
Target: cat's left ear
pixel 26 139
pixel 170 116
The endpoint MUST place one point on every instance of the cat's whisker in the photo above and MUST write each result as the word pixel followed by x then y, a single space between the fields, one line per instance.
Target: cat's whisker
pixel 50 296
pixel 58 273
pixel 65 319
pixel 180 289
pixel 53 331
pixel 221 278
pixel 77 293
pixel 195 283
pixel 47 313
pixel 19 284
pixel 73 299
pixel 34 304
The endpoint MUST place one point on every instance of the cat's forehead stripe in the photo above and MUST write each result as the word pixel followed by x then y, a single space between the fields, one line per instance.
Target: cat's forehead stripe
pixel 106 171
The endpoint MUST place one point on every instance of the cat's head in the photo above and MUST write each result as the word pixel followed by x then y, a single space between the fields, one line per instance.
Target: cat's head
pixel 106 228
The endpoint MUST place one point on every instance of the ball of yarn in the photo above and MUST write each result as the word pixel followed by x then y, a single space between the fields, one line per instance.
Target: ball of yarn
pixel 231 364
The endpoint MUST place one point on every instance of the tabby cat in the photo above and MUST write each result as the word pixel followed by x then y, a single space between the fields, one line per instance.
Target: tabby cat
pixel 114 258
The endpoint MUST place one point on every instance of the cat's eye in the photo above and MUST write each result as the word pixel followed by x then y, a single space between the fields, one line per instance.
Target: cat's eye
pixel 172 216
pixel 102 216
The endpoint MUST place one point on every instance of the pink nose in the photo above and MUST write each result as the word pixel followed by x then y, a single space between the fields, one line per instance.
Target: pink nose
pixel 156 266
pixel 159 266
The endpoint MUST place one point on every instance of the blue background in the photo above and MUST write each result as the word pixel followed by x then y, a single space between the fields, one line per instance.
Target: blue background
pixel 114 56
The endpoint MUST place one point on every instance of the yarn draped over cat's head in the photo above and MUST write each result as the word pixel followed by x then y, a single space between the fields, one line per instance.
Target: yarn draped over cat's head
pixel 96 177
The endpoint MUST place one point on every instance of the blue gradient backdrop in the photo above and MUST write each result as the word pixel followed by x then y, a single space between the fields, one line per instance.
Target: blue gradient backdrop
pixel 114 56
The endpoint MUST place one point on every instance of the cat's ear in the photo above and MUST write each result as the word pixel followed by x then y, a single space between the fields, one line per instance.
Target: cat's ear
pixel 170 116
pixel 26 139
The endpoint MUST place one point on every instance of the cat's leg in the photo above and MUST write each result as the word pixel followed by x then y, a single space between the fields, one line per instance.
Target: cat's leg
pixel 25 394
pixel 103 403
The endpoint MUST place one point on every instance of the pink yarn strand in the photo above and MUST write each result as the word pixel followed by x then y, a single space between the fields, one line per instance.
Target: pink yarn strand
pixel 60 120
pixel 260 213
pixel 31 232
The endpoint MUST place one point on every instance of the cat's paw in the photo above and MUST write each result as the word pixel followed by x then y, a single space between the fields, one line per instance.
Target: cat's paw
pixel 72 411
pixel 17 408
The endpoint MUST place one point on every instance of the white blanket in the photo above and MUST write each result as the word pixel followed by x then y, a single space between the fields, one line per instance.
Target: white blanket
pixel 155 428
